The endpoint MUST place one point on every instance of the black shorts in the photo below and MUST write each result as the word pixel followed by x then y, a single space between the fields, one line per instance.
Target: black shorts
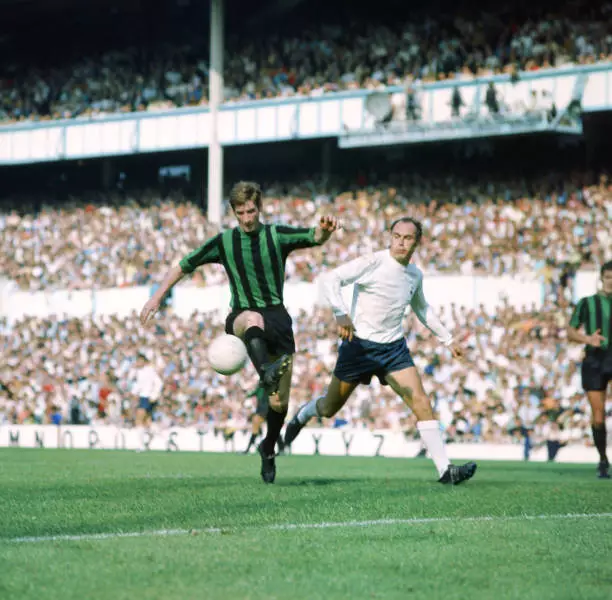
pixel 596 372
pixel 261 410
pixel 278 328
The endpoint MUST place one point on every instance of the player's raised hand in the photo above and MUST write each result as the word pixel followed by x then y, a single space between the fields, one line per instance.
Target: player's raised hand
pixel 148 310
pixel 329 224
pixel 596 339
pixel 346 329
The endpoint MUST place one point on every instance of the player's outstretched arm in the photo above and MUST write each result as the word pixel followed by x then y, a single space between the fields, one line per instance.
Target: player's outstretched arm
pixel 174 275
pixel 430 319
pixel 204 255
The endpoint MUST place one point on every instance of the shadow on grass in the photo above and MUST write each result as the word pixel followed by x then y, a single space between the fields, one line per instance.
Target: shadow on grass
pixel 319 481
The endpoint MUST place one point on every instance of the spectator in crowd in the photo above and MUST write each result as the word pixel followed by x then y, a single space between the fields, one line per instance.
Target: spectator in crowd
pixel 456 102
pixel 552 432
pixel 146 389
pixel 491 99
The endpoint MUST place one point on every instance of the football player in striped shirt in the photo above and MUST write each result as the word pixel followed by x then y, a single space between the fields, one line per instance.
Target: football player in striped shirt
pixel 593 315
pixel 253 255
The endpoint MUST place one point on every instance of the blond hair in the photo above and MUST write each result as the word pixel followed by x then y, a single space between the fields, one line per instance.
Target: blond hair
pixel 245 191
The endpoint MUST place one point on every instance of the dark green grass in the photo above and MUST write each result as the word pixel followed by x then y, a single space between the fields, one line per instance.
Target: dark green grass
pixel 47 492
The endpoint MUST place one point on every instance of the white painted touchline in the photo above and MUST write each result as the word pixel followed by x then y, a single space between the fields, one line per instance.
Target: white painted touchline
pixel 293 526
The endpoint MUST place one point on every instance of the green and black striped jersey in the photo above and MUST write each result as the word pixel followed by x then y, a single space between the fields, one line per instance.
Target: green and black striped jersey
pixel 254 262
pixel 594 312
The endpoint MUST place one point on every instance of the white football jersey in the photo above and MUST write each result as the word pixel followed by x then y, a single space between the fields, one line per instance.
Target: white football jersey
pixel 383 290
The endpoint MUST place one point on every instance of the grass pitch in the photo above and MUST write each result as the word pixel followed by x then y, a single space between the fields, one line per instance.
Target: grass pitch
pixel 114 525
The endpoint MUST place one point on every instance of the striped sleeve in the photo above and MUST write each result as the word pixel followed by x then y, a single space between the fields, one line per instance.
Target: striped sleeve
pixel 580 315
pixel 204 255
pixel 295 238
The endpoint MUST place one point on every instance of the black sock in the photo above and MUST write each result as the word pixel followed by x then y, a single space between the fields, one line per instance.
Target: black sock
pixel 275 422
pixel 599 438
pixel 251 441
pixel 256 347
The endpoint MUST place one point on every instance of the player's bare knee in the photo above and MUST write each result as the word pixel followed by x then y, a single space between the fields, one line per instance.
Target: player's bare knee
pixel 254 320
pixel 246 320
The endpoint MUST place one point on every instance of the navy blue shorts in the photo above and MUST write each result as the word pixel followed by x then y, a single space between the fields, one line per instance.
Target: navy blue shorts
pixel 359 360
pixel 145 403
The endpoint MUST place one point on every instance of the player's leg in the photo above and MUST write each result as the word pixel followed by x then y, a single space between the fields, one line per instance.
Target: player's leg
pixel 552 447
pixel 336 397
pixel 595 383
pixel 142 412
pixel 326 406
pixel 259 416
pixel 352 367
pixel 408 385
pixel 250 326
pixel 281 346
pixel 256 423
pixel 275 418
pixel 597 400
pixel 279 403
pixel 526 443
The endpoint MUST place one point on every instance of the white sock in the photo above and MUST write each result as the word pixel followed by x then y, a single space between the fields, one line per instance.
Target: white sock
pixel 431 435
pixel 308 411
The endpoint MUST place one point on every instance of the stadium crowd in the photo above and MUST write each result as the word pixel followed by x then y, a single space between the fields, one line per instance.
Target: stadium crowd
pixel 548 228
pixel 519 374
pixel 321 59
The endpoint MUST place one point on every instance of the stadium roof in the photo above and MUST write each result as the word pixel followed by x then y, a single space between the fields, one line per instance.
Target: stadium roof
pixel 23 6
pixel 24 9
pixel 23 12
pixel 32 21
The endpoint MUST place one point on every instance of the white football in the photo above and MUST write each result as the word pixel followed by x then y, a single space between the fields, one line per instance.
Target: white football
pixel 227 354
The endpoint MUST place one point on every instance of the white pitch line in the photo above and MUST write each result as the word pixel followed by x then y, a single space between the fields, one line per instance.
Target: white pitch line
pixel 294 526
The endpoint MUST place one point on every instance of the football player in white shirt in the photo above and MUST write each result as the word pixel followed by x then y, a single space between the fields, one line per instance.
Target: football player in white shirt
pixel 373 339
